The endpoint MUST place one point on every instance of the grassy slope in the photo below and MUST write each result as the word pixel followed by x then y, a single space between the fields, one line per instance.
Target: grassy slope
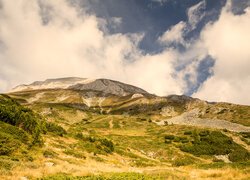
pixel 149 106
pixel 139 146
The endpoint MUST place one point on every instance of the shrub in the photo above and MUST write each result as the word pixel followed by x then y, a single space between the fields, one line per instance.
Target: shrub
pixel 184 140
pixel 213 143
pixel 15 114
pixel 56 129
pixel 182 161
pixel 187 132
pixel 49 154
pixel 79 136
pixel 97 145
pixel 15 132
pixel 169 137
pixel 109 146
pixel 177 139
pixel 204 133
pixel 239 155
pixel 8 144
pixel 74 153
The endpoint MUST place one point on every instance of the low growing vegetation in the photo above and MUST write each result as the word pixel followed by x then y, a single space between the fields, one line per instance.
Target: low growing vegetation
pixel 97 145
pixel 17 115
pixel 215 143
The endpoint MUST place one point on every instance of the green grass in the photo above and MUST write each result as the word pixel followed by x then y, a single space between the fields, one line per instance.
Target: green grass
pixel 111 176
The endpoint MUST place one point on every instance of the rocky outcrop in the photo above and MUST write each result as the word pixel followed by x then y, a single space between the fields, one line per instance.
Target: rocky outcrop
pixel 109 87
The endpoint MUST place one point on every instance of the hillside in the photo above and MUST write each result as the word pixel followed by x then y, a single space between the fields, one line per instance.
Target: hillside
pixel 90 129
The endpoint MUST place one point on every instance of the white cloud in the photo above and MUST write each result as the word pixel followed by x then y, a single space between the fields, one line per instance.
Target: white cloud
pixel 74 43
pixel 228 41
pixel 174 35
pixel 177 32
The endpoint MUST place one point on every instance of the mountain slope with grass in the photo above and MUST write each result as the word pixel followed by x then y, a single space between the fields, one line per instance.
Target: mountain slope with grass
pixel 76 128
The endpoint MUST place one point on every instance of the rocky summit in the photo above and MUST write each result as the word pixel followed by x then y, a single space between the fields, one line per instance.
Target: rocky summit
pixel 105 86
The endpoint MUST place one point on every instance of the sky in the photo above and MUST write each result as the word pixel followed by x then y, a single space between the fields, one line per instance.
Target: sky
pixel 200 48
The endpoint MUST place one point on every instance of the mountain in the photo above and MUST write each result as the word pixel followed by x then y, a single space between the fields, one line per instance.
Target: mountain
pixel 105 129
pixel 103 85
pixel 108 96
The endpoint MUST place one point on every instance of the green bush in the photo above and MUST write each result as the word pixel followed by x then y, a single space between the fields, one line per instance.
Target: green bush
pixel 239 155
pixel 55 129
pixel 169 137
pixel 12 138
pixel 17 115
pixel 204 133
pixel 15 132
pixel 187 132
pixel 74 153
pixel 177 139
pixel 215 143
pixel 8 144
pixel 183 161
pixel 184 140
pixel 49 153
pixel 97 145
pixel 108 145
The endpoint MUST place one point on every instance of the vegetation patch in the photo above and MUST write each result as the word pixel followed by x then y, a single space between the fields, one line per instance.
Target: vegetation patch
pixel 55 129
pixel 178 139
pixel 17 115
pixel 215 143
pixel 75 153
pixel 49 153
pixel 97 145
pixel 6 163
pixel 113 176
pixel 183 161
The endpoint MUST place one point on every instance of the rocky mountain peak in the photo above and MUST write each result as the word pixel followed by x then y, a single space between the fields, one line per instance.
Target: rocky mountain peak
pixel 106 86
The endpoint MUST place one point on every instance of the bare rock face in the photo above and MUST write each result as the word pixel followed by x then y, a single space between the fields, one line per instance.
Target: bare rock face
pixel 105 86
pixel 109 87
pixel 137 96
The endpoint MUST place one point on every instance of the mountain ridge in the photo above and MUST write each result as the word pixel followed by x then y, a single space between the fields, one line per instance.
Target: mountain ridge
pixel 105 85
